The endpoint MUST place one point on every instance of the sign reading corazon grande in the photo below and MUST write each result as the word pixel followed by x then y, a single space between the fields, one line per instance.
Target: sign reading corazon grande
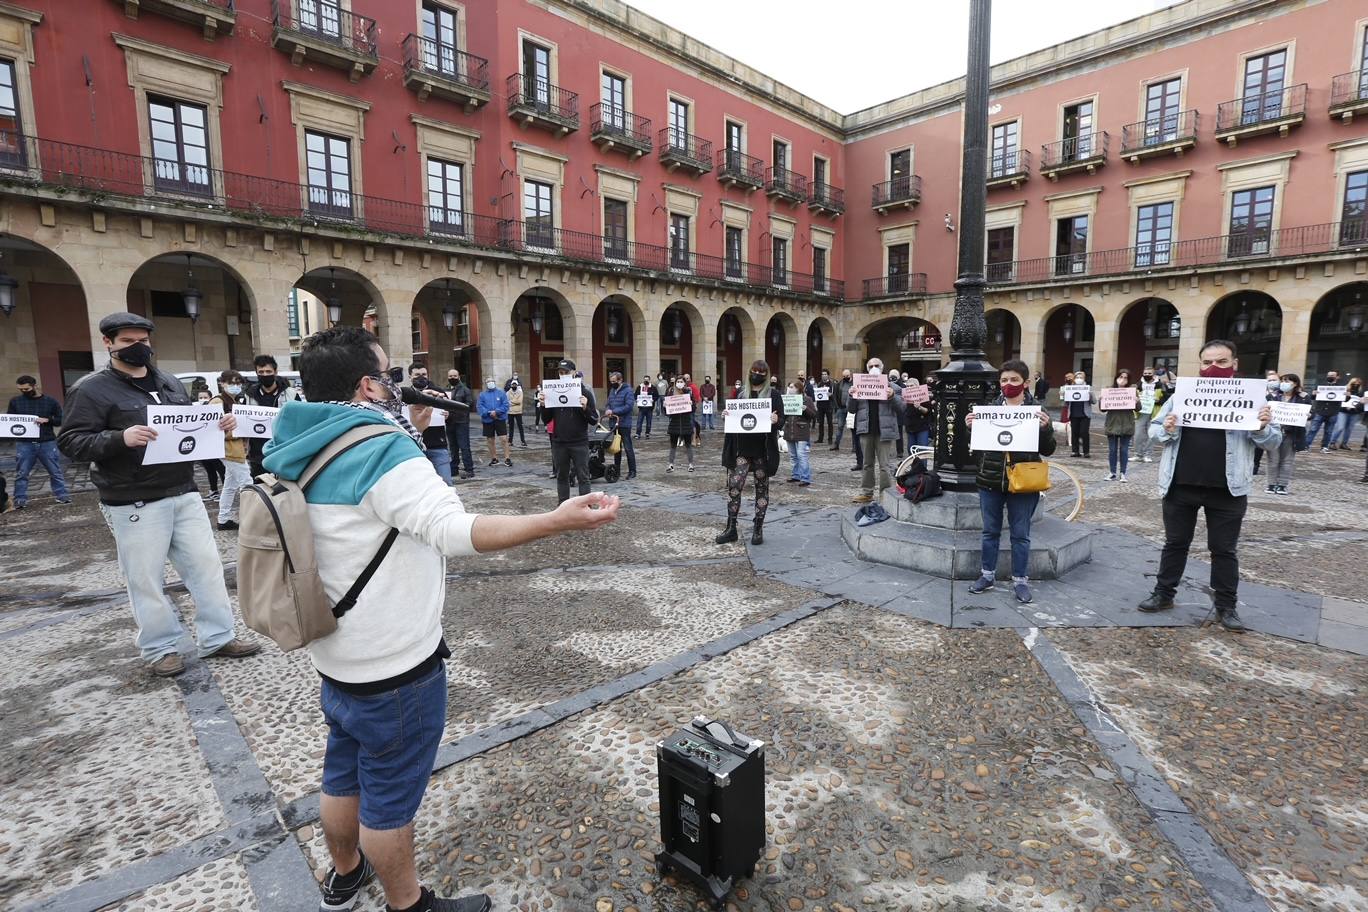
pixel 748 416
pixel 1290 414
pixel 258 421
pixel 185 433
pixel 1003 428
pixel 679 405
pixel 869 386
pixel 1118 398
pixel 1223 403
pixel 916 393
pixel 19 427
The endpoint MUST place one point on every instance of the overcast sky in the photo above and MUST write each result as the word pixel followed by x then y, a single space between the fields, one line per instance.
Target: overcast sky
pixel 863 52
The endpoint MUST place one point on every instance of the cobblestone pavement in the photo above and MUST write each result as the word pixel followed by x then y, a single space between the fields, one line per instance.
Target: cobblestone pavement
pixel 1088 767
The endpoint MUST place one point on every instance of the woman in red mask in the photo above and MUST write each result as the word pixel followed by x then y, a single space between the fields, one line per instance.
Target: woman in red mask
pixel 994 495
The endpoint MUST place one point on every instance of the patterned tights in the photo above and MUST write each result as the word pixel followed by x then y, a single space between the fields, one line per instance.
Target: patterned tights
pixel 736 483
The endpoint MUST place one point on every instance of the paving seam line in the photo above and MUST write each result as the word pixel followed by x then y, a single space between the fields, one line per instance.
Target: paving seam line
pixel 1224 883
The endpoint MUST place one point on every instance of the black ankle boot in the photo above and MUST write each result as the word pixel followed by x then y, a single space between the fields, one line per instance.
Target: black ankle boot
pixel 728 534
pixel 758 536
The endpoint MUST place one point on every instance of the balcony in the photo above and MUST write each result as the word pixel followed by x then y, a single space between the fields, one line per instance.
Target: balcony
pixel 907 285
pixel 902 191
pixel 1258 115
pixel 1171 134
pixel 781 183
pixel 1077 153
pixel 538 103
pixel 822 197
pixel 680 150
pixel 737 169
pixel 213 17
pixel 312 30
pixel 615 128
pixel 432 68
pixel 1349 95
pixel 1009 169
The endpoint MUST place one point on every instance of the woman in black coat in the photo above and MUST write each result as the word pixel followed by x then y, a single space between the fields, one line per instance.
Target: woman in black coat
pixel 752 454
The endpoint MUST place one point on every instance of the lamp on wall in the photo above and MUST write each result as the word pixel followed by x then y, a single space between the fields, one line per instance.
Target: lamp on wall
pixel 1241 324
pixel 7 286
pixel 775 335
pixel 333 303
pixel 816 340
pixel 192 296
pixel 1068 328
pixel 449 308
pixel 1175 326
pixel 613 321
pixel 678 325
pixel 731 332
pixel 538 308
pixel 1354 316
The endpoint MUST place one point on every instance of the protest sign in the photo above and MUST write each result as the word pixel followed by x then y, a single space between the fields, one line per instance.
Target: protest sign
pixel 1003 428
pixel 748 416
pixel 1074 393
pixel 1331 393
pixel 436 419
pixel 19 427
pixel 1147 398
pixel 678 405
pixel 1222 403
pixel 257 421
pixel 707 407
pixel 185 433
pixel 793 403
pixel 645 402
pixel 869 386
pixel 1290 414
pixel 821 393
pixel 1118 399
pixel 916 394
pixel 562 393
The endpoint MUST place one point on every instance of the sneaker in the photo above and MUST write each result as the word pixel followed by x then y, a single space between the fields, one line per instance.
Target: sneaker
pixel 669 468
pixel 433 903
pixel 509 463
pixel 1325 449
pixel 20 506
pixel 804 484
pixel 1144 459
pixel 227 526
pixel 1282 489
pixel 1111 476
pixel 857 468
pixel 64 501
pixel 1022 591
pixel 468 475
pixel 1230 620
pixel 1122 478
pixel 793 481
pixel 236 648
pixel 168 666
pixel 982 584
pixel 1271 489
pixel 691 467
pixel 493 462
pixel 340 893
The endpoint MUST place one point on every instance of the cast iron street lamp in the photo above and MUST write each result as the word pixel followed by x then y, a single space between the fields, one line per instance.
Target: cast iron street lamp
pixel 968 379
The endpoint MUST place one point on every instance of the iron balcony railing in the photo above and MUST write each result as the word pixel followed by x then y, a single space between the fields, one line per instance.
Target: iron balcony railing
pixel 616 121
pixel 1266 107
pixel 735 165
pixel 445 62
pixel 905 189
pixel 1008 163
pixel 898 285
pixel 1332 237
pixel 1180 126
pixel 541 97
pixel 786 183
pixel 1349 89
pixel 825 196
pixel 1074 150
pixel 685 148
pixel 32 161
pixel 324 20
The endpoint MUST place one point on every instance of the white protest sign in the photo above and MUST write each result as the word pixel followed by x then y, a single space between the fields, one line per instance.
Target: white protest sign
pixel 1331 393
pixel 678 405
pixel 185 433
pixel 1222 403
pixel 748 416
pixel 1147 401
pixel 437 417
pixel 1003 428
pixel 561 393
pixel 19 427
pixel 707 407
pixel 793 404
pixel 255 421
pixel 821 394
pixel 1118 398
pixel 1290 414
pixel 1075 393
pixel 869 386
pixel 916 394
pixel 645 402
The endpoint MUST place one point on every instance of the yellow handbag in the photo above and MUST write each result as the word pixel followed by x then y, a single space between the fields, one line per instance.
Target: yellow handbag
pixel 616 446
pixel 1027 477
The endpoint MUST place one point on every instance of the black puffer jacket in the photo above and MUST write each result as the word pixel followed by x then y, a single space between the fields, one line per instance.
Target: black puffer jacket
pixel 992 466
pixel 100 407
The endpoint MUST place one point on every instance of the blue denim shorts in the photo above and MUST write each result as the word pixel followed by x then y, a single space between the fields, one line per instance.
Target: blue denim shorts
pixel 382 747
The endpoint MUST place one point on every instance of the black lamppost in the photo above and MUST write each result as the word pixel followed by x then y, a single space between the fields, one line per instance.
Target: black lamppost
pixel 968 379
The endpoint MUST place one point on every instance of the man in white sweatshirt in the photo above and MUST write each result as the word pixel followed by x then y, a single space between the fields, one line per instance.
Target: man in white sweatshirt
pixel 383 670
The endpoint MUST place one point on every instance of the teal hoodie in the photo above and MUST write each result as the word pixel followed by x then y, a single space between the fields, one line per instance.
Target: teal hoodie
pixel 303 429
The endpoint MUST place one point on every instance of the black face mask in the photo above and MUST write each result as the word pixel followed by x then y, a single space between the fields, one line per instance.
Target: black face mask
pixel 32 394
pixel 139 354
pixel 758 379
pixel 615 383
pixel 421 383
pixel 453 381
pixel 268 381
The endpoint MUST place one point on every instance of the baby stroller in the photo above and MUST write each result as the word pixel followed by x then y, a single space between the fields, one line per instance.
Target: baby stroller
pixel 604 444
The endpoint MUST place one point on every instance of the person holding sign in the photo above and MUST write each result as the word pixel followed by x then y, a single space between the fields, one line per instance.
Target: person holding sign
pixel 1325 412
pixel 235 473
pixel 876 427
pixel 646 404
pixel 1209 468
pixel 798 433
pixel 1151 394
pixel 995 487
pixel 1282 459
pixel 679 409
pixel 1119 402
pixel 1079 397
pixel 154 511
pixel 823 394
pixel 570 434
pixel 269 391
pixel 48 414
pixel 753 454
pixel 1350 410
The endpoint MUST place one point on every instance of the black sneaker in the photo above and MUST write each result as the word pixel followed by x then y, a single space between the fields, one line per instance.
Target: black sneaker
pixel 339 893
pixel 433 903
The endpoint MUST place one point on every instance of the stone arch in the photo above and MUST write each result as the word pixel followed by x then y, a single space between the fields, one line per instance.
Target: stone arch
pixel 618 325
pixel 1004 335
pixel 359 301
pixel 1070 333
pixel 1253 321
pixel 821 349
pixel 544 327
pixel 736 345
pixel 783 344
pixel 443 347
pixel 1339 332
pixel 46 333
pixel 908 344
pixel 681 339
pixel 221 335
pixel 1149 333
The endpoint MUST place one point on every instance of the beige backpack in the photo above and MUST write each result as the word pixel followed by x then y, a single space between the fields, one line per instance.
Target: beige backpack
pixel 279 590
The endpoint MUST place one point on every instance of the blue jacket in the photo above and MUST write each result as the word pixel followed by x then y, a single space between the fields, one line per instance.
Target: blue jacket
pixel 622 402
pixel 1239 455
pixel 492 405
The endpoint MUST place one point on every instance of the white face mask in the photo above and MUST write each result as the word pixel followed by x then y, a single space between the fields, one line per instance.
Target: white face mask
pixel 489 385
pixel 876 370
pixel 232 389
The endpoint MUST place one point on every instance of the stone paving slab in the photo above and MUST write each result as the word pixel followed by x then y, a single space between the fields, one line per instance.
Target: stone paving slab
pixel 220 886
pixel 1261 738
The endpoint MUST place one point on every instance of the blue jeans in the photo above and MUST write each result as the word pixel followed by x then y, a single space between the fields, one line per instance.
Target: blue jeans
pixel 1020 507
pixel 645 416
pixel 174 528
pixel 918 438
pixel 458 438
pixel 1314 425
pixel 29 452
pixel 841 429
pixel 798 452
pixel 441 461
pixel 625 429
pixel 382 747
pixel 1118 451
pixel 708 422
pixel 1344 428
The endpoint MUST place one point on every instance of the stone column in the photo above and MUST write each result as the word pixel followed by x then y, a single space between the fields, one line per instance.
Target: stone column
pixel 1296 334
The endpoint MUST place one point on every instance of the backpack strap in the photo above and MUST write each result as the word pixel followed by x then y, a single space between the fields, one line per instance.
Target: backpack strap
pixel 343 443
pixel 348 601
